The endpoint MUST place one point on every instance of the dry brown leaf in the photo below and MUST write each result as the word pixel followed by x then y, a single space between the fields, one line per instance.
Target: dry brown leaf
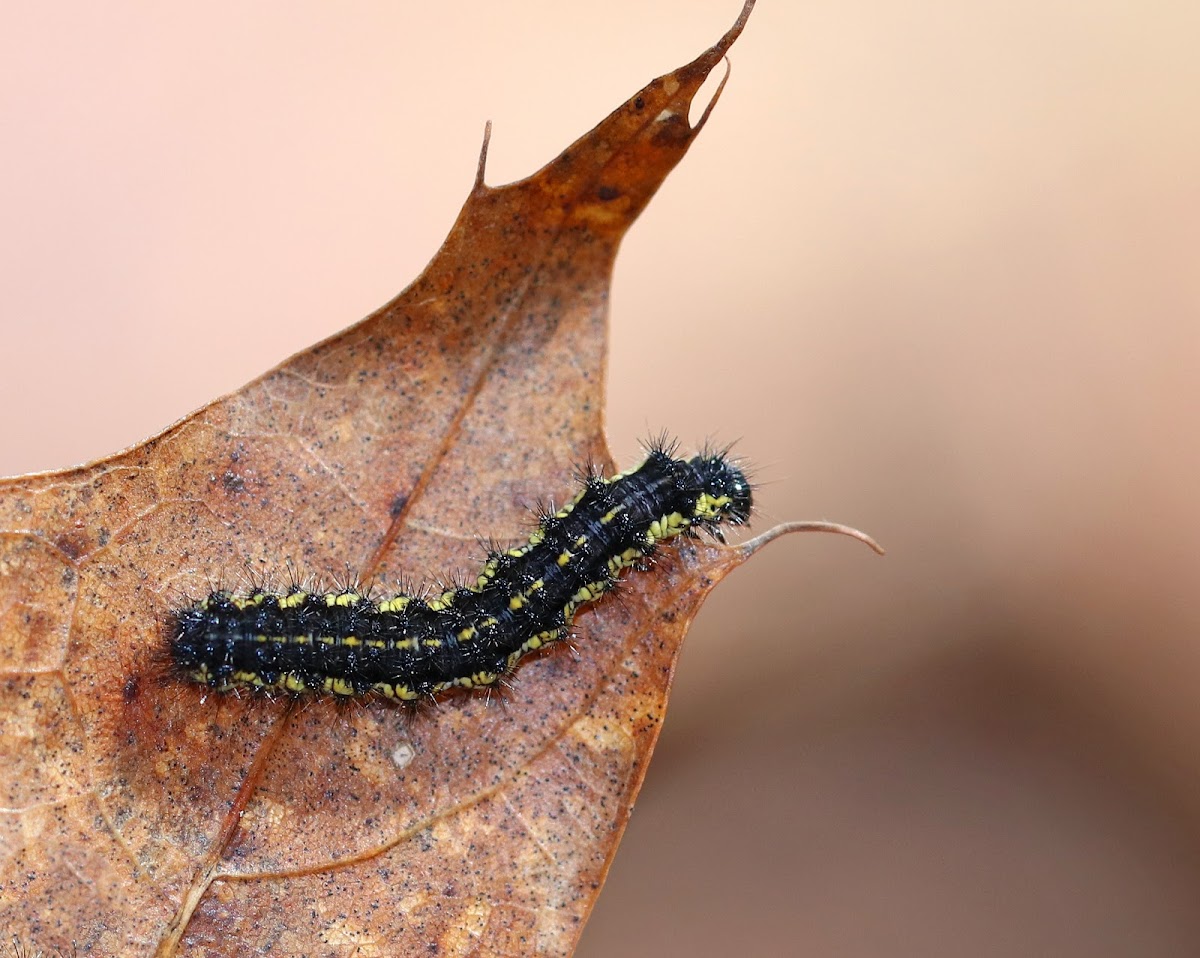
pixel 141 816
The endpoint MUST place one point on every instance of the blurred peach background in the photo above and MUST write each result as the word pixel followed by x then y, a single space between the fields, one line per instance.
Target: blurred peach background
pixel 934 263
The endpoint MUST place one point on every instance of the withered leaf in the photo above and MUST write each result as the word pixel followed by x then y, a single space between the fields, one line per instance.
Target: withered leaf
pixel 142 816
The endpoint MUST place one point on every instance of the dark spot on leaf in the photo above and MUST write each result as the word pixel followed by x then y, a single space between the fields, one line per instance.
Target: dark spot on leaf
pixel 607 193
pixel 72 544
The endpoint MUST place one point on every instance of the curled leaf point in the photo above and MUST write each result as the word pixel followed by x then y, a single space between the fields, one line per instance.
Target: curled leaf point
pixel 807 525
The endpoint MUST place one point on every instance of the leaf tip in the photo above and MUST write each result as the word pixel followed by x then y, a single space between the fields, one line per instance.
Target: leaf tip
pixel 483 153
pixel 810 525
pixel 694 73
pixel 714 54
pixel 736 30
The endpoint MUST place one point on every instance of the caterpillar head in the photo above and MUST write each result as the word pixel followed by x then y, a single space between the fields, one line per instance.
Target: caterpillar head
pixel 726 494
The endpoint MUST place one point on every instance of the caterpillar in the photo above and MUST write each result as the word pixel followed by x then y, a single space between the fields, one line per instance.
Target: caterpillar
pixel 407 647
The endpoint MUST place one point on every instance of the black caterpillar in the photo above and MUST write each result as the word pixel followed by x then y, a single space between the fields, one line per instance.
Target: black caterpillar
pixel 407 647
